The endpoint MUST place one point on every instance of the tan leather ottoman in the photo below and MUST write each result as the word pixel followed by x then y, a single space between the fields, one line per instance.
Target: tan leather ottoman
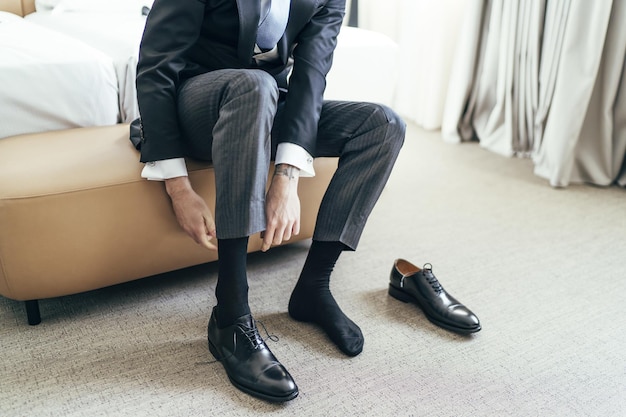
pixel 76 216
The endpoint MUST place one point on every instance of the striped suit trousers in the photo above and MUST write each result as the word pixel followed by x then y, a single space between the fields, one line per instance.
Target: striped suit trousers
pixel 227 117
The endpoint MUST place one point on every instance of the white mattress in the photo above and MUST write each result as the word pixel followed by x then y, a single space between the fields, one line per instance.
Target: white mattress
pixel 118 35
pixel 51 81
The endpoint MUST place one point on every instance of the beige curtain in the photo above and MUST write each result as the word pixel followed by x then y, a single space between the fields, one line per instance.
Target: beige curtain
pixel 544 79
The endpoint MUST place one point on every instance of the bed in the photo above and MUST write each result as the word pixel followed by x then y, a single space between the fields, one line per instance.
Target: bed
pixel 56 81
pixel 116 30
pixel 116 34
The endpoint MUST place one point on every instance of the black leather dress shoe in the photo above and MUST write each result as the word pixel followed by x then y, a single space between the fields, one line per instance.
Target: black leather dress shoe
pixel 249 363
pixel 409 283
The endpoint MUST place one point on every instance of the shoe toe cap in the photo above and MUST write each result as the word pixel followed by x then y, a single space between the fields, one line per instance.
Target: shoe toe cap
pixel 464 318
pixel 277 381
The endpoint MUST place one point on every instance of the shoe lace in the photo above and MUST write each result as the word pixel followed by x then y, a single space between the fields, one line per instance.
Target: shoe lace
pixel 430 277
pixel 271 337
pixel 255 338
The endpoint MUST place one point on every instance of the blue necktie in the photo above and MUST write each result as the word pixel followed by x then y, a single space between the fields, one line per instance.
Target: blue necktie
pixel 274 16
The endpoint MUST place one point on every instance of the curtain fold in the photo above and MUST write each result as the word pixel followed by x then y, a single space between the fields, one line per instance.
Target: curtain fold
pixel 543 79
pixel 582 141
pixel 455 126
pixel 578 73
pixel 499 103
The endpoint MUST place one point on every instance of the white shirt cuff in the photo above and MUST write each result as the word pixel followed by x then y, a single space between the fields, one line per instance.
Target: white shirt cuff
pixel 292 154
pixel 165 169
pixel 286 153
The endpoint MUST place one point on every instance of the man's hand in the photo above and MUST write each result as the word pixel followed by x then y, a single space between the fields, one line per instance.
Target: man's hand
pixel 282 206
pixel 191 211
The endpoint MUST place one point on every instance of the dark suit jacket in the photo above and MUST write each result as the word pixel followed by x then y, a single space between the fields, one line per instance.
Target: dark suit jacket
pixel 184 38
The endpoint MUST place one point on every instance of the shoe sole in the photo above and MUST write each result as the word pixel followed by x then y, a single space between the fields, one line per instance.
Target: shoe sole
pixel 400 295
pixel 249 391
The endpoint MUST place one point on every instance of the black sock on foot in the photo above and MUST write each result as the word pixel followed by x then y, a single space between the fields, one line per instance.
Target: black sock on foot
pixel 312 301
pixel 232 281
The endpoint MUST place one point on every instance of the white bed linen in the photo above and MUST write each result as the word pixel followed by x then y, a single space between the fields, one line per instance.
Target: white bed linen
pixel 117 35
pixel 51 81
pixel 115 6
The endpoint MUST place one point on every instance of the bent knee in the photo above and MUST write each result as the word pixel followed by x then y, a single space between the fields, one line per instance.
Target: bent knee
pixel 396 126
pixel 391 117
pixel 256 82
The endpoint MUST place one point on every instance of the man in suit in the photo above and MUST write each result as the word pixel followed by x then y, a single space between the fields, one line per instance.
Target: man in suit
pixel 239 82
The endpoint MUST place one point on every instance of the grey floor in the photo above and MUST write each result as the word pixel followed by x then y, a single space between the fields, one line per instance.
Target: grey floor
pixel 543 268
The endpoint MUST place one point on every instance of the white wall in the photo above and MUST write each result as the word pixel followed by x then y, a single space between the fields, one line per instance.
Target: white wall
pixel 427 33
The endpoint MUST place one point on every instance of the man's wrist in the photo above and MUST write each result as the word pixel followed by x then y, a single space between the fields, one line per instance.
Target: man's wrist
pixel 286 170
pixel 177 185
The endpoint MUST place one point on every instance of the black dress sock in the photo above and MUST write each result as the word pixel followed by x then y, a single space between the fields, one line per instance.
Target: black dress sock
pixel 311 300
pixel 232 281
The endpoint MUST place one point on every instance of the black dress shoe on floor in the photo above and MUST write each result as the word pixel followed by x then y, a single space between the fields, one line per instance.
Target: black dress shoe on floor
pixel 409 283
pixel 249 363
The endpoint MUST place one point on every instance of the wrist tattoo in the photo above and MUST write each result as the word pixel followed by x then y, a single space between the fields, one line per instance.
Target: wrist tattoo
pixel 286 171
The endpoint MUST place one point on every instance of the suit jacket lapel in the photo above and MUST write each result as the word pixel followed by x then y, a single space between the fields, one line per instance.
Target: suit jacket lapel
pixel 249 13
